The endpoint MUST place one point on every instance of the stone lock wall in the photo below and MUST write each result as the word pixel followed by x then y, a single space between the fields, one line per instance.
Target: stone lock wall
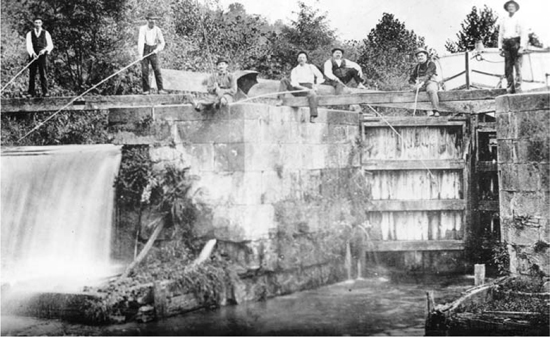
pixel 523 140
pixel 279 189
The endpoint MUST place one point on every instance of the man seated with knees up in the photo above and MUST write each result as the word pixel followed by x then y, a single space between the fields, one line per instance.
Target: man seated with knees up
pixel 222 87
pixel 424 78
pixel 303 77
pixel 341 71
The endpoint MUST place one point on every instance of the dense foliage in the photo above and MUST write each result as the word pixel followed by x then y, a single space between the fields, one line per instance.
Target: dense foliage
pixel 86 127
pixel 386 53
pixel 479 25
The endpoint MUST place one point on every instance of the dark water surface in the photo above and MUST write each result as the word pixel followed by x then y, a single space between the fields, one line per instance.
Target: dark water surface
pixel 374 306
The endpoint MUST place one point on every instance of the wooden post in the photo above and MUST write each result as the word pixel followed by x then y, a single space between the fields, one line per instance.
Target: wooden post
pixel 160 294
pixel 479 274
pixel 467 73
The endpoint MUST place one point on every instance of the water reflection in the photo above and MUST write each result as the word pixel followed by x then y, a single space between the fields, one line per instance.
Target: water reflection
pixel 362 307
pixel 374 306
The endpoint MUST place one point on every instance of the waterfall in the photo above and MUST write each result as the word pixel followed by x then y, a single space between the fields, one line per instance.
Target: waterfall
pixel 57 210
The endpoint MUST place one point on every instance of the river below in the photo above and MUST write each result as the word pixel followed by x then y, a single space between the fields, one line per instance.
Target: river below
pixel 374 306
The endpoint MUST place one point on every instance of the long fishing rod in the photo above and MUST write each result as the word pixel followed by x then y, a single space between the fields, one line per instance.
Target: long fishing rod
pixel 269 94
pixel 19 73
pixel 84 93
pixel 430 174
pixel 416 97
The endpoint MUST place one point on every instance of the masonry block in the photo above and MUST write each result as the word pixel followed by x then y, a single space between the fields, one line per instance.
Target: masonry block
pixel 226 131
pixel 505 148
pixel 528 177
pixel 229 156
pixel 509 179
pixel 526 203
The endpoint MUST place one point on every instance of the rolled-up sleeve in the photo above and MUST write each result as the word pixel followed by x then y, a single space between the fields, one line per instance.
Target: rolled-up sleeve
pixel 49 43
pixel 319 78
pixel 327 68
pixel 30 49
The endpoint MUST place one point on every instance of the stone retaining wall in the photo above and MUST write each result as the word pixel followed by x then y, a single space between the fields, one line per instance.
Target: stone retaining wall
pixel 523 140
pixel 279 189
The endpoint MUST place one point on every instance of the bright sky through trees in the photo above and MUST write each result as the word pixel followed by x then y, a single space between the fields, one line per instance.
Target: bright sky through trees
pixel 437 21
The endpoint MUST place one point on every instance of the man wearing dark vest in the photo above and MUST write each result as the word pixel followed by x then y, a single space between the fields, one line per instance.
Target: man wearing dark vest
pixel 39 45
pixel 341 71
pixel 150 40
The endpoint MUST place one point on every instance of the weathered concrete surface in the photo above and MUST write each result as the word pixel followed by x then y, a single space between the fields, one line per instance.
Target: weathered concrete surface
pixel 274 183
pixel 523 136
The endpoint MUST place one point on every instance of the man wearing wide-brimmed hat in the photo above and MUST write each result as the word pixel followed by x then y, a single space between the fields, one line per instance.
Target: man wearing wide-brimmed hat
pixel 222 87
pixel 424 78
pixel 150 40
pixel 341 71
pixel 512 42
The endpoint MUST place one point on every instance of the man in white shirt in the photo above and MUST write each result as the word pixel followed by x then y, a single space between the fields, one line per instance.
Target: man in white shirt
pixel 341 71
pixel 150 40
pixel 39 45
pixel 512 42
pixel 304 77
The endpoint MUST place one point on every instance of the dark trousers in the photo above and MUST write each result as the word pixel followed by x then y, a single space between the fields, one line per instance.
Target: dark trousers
pixel 311 95
pixel 40 65
pixel 154 60
pixel 512 60
pixel 345 75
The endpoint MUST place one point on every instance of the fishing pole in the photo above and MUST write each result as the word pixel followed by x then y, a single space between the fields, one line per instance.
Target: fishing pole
pixel 270 94
pixel 19 73
pixel 84 93
pixel 430 174
pixel 416 97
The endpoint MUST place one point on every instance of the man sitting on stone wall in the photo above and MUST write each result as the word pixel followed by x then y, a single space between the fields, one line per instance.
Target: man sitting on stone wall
pixel 341 71
pixel 221 86
pixel 303 78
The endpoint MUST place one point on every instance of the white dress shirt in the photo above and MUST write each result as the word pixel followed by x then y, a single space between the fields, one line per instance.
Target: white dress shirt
pixel 49 43
pixel 150 36
pixel 510 27
pixel 307 73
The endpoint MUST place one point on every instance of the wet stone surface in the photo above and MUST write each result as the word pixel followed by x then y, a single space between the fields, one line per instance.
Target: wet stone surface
pixel 376 307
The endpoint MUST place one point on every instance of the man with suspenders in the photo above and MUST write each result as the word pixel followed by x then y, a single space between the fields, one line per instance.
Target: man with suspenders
pixel 150 39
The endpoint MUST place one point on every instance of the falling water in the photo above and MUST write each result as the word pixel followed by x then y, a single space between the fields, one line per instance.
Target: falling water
pixel 57 207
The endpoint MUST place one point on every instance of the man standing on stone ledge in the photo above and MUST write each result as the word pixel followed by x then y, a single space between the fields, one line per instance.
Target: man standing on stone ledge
pixel 39 45
pixel 341 71
pixel 305 77
pixel 150 40
pixel 512 42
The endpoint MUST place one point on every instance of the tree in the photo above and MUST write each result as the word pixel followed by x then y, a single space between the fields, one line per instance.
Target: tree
pixel 479 25
pixel 385 53
pixel 311 32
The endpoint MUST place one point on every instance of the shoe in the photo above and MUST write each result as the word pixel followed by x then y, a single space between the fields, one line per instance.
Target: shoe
pixel 196 105
pixel 162 92
pixel 312 119
pixel 361 86
pixel 145 93
pixel 47 94
pixel 436 113
pixel 510 90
